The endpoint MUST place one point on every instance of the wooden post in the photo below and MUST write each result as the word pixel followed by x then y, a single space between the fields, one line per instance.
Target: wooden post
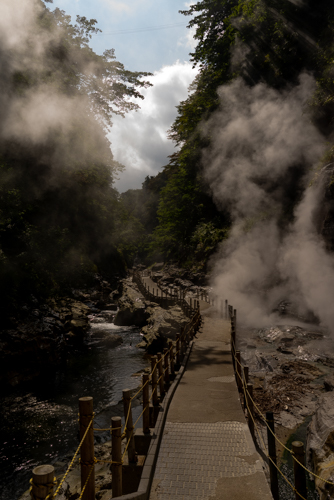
pixel 129 426
pixel 233 345
pixel 299 472
pixel 182 350
pixel 87 447
pixel 238 370
pixel 116 456
pixel 178 353
pixel 155 398
pixel 42 481
pixel 272 455
pixel 235 319
pixel 185 338
pixel 161 377
pixel 171 359
pixel 246 373
pixel 244 383
pixel 166 367
pixel 250 409
pixel 146 404
pixel 226 309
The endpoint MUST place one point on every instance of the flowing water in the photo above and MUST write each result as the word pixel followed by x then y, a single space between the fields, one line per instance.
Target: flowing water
pixel 40 426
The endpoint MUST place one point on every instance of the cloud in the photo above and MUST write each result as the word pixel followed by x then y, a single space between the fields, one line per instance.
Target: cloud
pixel 188 40
pixel 129 7
pixel 139 141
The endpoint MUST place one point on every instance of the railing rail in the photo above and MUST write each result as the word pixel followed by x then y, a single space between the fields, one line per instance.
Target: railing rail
pixel 163 371
pixel 255 416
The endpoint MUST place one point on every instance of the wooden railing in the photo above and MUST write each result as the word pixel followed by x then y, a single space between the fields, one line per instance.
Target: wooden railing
pixel 157 389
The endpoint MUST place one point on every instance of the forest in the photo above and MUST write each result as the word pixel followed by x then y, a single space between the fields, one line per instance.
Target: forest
pixel 61 218
pixel 244 48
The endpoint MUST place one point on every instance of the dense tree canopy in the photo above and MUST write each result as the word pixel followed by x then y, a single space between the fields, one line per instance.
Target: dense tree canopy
pixel 269 41
pixel 60 217
pixel 59 214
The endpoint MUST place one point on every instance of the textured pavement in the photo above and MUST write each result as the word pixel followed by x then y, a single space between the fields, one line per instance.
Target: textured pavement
pixel 207 451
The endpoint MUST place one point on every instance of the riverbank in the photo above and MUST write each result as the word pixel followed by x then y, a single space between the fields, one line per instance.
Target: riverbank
pixel 45 335
pixel 291 368
pixel 39 424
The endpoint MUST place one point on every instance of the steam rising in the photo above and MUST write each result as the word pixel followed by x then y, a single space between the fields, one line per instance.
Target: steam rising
pixel 45 110
pixel 263 148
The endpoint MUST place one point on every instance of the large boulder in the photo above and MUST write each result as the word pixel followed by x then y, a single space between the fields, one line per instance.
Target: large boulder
pixel 42 341
pixel 162 325
pixel 320 445
pixel 132 306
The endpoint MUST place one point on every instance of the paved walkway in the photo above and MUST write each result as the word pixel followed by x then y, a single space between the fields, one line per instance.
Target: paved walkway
pixel 207 451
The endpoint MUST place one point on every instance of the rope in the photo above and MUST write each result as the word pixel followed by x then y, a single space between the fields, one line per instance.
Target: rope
pixel 141 388
pixel 189 327
pixel 275 436
pixel 127 418
pixel 48 486
pixel 109 462
pixel 84 486
pixel 73 459
pixel 250 415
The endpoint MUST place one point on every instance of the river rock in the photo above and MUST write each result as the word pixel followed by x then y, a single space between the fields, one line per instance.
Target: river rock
pixel 320 444
pixel 42 341
pixel 162 324
pixel 132 306
pixel 329 383
pixel 71 487
pixel 104 336
pixel 182 277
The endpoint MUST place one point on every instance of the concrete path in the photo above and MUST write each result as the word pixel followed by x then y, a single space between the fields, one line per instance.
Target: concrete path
pixel 207 451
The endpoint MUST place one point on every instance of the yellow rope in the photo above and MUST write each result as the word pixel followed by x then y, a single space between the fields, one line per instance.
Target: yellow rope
pixel 187 329
pixel 127 418
pixel 136 422
pixel 277 439
pixel 141 388
pixel 84 486
pixel 49 487
pixel 73 459
pixel 108 462
pixel 250 415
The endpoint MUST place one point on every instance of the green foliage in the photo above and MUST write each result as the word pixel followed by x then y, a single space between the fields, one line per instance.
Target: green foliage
pixel 206 238
pixel 269 41
pixel 60 218
pixel 140 218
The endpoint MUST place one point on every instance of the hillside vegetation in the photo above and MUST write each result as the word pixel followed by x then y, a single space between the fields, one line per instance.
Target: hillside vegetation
pixel 270 42
pixel 61 219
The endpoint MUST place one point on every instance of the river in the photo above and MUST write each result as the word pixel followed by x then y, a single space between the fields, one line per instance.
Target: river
pixel 39 425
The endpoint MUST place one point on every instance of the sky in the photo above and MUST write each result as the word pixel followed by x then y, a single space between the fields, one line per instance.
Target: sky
pixel 147 35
